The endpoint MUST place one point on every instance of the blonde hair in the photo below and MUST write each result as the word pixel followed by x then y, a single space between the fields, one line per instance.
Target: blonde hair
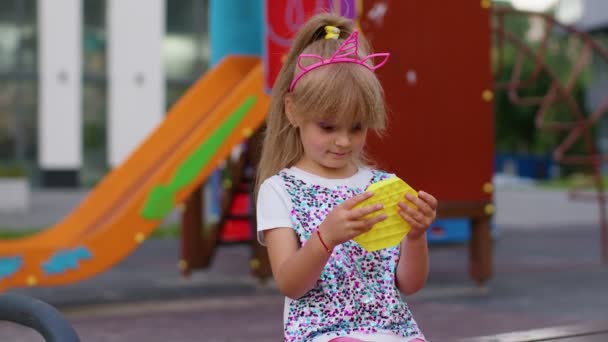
pixel 336 92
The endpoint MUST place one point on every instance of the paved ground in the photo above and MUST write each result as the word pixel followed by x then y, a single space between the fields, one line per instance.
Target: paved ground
pixel 517 206
pixel 546 263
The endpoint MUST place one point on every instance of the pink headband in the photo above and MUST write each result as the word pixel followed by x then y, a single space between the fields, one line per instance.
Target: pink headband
pixel 348 52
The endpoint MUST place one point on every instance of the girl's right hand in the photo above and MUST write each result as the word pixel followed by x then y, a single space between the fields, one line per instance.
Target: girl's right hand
pixel 345 222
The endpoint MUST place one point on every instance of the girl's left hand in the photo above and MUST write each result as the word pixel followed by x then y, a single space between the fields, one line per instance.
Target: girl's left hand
pixel 421 217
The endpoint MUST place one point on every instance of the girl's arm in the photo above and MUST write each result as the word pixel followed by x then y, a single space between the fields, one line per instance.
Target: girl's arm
pixel 413 266
pixel 295 269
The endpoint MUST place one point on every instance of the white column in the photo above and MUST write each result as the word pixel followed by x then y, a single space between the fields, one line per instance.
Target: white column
pixel 136 92
pixel 60 85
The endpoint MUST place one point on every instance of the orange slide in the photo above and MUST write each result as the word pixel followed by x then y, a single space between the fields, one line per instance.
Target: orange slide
pixel 216 114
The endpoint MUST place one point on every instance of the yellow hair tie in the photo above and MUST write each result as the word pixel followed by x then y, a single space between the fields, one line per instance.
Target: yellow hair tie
pixel 332 32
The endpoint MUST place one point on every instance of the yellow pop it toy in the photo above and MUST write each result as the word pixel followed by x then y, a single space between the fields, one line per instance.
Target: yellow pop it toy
pixel 391 231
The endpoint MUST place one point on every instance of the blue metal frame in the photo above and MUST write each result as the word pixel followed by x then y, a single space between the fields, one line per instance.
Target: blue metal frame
pixel 38 315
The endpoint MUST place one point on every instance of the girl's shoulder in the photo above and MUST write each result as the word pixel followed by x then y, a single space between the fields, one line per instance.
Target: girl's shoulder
pixel 280 183
pixel 272 190
pixel 273 182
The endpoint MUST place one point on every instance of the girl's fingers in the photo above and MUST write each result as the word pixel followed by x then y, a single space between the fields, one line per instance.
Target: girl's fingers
pixel 358 213
pixel 411 212
pixel 376 219
pixel 353 201
pixel 357 227
pixel 429 199
pixel 419 218
pixel 415 223
pixel 426 207
pixel 408 218
pixel 420 204
pixel 362 226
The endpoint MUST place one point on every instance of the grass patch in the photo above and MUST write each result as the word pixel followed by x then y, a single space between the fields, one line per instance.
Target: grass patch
pixel 12 233
pixel 558 184
pixel 13 171
pixel 168 231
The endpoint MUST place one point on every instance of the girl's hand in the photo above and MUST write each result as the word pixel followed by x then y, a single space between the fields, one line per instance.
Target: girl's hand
pixel 421 217
pixel 345 222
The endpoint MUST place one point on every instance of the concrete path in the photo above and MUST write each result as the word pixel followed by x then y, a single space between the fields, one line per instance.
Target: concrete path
pixel 516 207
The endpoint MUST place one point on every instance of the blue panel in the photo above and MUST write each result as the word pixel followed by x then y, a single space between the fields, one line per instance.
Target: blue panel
pixel 449 230
pixel 453 230
pixel 66 260
pixel 526 165
pixel 10 266
pixel 235 27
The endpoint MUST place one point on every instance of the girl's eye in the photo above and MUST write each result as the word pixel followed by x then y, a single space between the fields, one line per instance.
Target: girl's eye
pixel 326 127
pixel 357 128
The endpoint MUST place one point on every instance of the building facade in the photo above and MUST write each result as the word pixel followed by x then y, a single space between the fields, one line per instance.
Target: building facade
pixel 82 82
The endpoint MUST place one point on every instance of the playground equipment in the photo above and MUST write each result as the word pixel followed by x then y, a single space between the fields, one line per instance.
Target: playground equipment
pixel 439 90
pixel 38 315
pixel 447 111
pixel 220 111
pixel 584 51
pixel 415 81
pixel 226 108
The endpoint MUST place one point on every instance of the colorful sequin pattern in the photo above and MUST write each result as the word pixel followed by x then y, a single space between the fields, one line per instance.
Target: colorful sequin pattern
pixel 356 291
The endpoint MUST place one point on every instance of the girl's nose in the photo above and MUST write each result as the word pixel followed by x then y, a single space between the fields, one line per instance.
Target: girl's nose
pixel 343 140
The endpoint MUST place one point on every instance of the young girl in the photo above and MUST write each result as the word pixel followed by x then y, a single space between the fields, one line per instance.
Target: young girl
pixel 311 176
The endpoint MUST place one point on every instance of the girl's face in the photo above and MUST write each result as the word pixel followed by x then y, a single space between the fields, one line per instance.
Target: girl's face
pixel 330 149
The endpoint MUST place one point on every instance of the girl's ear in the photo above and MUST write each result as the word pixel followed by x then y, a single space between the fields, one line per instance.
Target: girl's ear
pixel 290 111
